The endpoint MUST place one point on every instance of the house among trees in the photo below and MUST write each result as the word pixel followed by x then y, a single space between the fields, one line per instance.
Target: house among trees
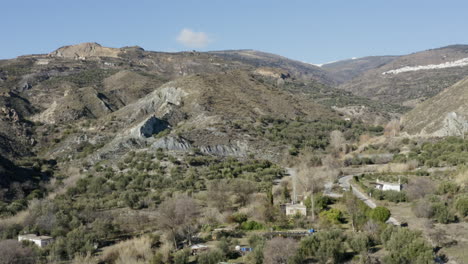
pixel 40 241
pixel 197 249
pixel 387 186
pixel 295 208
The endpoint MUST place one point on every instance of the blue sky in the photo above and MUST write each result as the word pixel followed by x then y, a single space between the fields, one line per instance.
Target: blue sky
pixel 312 31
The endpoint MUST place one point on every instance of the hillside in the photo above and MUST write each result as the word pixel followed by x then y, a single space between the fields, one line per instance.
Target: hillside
pixel 442 115
pixel 102 148
pixel 409 79
pixel 86 104
pixel 346 70
pixel 44 95
pixel 299 70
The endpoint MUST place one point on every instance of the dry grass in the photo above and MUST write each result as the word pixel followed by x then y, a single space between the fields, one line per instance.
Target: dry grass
pixel 395 167
pixel 85 259
pixel 461 177
pixel 73 174
pixel 18 218
pixel 133 251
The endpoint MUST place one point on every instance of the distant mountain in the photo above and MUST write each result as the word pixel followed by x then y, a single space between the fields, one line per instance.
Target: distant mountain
pixel 346 70
pixel 410 79
pixel 300 70
pixel 445 114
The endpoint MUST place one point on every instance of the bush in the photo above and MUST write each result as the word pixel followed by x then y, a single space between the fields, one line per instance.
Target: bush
pixel 213 256
pixel 251 225
pixel 462 205
pixel 360 242
pixel 325 246
pixel 406 246
pixel 422 208
pixel 442 214
pixel 380 214
pixel 447 188
pixel 181 256
pixel 395 196
pixel 238 218
pixel 12 252
pixel 333 216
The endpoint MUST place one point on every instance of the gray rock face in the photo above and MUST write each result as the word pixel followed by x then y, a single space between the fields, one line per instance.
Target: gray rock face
pixel 454 125
pixel 171 143
pixel 180 144
pixel 152 126
pixel 223 150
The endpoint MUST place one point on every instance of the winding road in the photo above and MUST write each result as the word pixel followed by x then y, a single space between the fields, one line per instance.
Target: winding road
pixel 345 183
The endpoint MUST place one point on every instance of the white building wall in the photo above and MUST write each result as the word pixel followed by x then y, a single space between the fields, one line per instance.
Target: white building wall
pixel 388 187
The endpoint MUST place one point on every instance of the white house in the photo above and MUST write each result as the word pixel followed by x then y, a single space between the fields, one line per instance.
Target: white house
pixel 40 241
pixel 197 249
pixel 387 186
pixel 293 209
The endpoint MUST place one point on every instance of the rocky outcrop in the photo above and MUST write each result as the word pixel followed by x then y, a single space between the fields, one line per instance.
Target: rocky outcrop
pixel 171 143
pixel 83 51
pixel 149 127
pixel 454 125
pixel 225 150
pixel 179 144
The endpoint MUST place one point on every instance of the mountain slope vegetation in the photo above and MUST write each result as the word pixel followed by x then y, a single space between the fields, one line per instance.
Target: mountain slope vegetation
pixel 410 87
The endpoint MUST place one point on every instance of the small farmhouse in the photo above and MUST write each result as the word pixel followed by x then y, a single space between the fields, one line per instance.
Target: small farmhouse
pixel 386 186
pixel 197 249
pixel 293 209
pixel 40 241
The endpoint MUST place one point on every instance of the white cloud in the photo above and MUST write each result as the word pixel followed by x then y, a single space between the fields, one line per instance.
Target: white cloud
pixel 192 39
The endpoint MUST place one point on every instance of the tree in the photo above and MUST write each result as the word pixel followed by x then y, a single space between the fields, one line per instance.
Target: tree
pixel 12 252
pixel 217 193
pixel 326 246
pixel 181 257
pixel 380 214
pixel 178 216
pixel 256 242
pixel 337 142
pixel 279 250
pixel 213 256
pixel 356 209
pixel 309 179
pixel 242 189
pixel 406 246
pixel 333 216
pixel 360 243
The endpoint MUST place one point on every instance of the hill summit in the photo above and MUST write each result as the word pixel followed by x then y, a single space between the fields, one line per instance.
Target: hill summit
pixel 84 50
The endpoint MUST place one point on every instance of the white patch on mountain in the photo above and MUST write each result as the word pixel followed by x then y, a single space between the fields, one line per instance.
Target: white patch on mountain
pixel 450 64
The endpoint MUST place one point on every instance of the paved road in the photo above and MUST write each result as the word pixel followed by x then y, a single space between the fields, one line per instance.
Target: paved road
pixel 345 183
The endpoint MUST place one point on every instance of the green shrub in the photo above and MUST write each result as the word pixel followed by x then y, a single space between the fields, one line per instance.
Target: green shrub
pixel 214 256
pixel 327 246
pixel 442 213
pixel 447 187
pixel 251 225
pixel 238 218
pixel 181 256
pixel 333 215
pixel 461 205
pixel 380 214
pixel 406 246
